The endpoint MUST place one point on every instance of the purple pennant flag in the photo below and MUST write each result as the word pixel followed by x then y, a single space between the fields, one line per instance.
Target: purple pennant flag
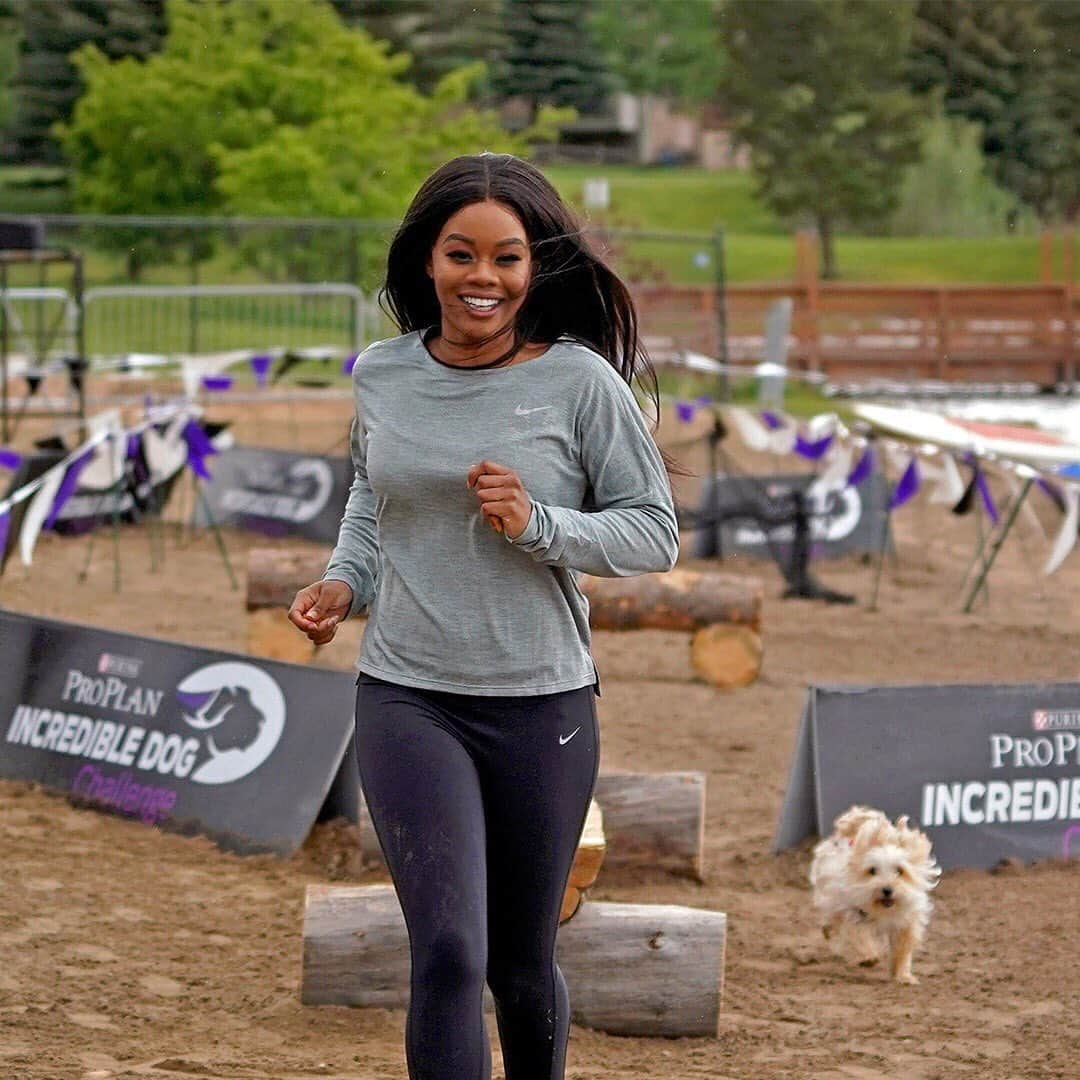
pixel 199 448
pixel 216 382
pixel 260 364
pixel 67 486
pixel 684 411
pixel 813 450
pixel 907 485
pixel 5 522
pixel 986 495
pixel 863 467
pixel 134 446
pixel 9 459
pixel 1052 492
pixel 349 362
pixel 771 420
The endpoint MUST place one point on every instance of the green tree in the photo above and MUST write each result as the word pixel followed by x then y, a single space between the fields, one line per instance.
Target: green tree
pixel 45 83
pixel 1062 19
pixel 996 62
pixel 258 107
pixel 949 191
pixel 820 97
pixel 551 57
pixel 440 35
pixel 672 49
pixel 9 44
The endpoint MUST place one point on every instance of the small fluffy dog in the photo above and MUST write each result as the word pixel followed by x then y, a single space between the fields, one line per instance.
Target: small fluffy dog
pixel 872 880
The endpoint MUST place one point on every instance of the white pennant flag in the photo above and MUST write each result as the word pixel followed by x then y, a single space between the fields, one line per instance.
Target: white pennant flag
pixel 837 468
pixel 949 486
pixel 751 430
pixel 1066 539
pixel 166 454
pixel 38 510
pixel 782 440
pixel 106 468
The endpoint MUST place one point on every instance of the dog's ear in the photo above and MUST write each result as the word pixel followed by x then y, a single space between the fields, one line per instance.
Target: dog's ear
pixel 917 847
pixel 852 820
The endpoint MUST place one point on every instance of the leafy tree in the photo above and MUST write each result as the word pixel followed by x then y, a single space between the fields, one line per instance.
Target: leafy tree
pixel 672 49
pixel 949 191
pixel 551 57
pixel 9 44
pixel 996 62
pixel 820 98
pixel 440 35
pixel 46 84
pixel 258 107
pixel 1062 19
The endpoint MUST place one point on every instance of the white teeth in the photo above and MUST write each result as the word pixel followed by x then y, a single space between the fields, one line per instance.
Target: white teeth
pixel 479 302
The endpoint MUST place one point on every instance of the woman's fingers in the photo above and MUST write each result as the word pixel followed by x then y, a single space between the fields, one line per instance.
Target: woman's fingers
pixel 486 468
pixel 300 613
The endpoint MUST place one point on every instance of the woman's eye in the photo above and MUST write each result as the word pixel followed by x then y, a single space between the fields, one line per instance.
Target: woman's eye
pixel 459 256
pixel 509 258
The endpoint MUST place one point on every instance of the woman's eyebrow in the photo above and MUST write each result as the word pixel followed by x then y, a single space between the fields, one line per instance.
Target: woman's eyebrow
pixel 469 240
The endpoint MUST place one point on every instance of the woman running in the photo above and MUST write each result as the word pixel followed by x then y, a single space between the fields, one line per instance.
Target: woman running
pixel 499 450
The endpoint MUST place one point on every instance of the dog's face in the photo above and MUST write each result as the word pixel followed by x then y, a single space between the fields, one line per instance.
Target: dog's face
pixel 890 870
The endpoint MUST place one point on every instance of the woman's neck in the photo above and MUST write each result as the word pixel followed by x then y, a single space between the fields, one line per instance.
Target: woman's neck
pixel 471 355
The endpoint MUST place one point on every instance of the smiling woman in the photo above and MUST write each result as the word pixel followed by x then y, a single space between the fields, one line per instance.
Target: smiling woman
pixel 499 451
pixel 480 267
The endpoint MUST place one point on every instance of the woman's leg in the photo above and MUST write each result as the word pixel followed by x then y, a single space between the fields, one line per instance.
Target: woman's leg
pixel 424 798
pixel 536 795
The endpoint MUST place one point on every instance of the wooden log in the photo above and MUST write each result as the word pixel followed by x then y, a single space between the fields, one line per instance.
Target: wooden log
pixel 677 600
pixel 725 655
pixel 654 820
pixel 632 969
pixel 587 862
pixel 276 575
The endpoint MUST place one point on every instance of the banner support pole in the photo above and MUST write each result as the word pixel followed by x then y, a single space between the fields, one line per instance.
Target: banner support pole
pixel 995 547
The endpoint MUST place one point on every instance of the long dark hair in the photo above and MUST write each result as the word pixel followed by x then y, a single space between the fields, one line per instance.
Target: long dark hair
pixel 572 292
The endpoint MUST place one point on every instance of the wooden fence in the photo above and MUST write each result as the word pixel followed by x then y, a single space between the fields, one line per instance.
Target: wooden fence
pixel 972 332
pixel 951 332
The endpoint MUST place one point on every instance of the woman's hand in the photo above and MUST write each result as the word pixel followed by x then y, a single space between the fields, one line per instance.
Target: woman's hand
pixel 319 608
pixel 503 498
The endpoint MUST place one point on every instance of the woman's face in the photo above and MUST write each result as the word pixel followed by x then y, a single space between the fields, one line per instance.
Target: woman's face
pixel 480 266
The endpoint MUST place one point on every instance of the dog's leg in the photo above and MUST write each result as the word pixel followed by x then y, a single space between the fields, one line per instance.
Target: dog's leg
pixel 832 927
pixel 866 945
pixel 903 943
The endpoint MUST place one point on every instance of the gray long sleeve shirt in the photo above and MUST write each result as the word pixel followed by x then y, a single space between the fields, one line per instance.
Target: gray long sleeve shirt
pixel 452 604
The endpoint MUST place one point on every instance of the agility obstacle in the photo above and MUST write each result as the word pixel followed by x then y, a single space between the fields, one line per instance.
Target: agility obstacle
pixel 721 612
pixel 652 820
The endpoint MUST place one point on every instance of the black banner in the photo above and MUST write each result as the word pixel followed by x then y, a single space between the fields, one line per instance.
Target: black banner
pixel 277 492
pixel 851 519
pixel 988 772
pixel 192 740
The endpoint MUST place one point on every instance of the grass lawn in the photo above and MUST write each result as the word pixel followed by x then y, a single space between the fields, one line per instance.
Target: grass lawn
pixel 758 246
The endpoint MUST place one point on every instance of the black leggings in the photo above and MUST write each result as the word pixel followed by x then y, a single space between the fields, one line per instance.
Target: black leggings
pixel 478 803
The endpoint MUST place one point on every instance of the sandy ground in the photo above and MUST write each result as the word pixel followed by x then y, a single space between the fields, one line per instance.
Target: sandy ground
pixel 125 951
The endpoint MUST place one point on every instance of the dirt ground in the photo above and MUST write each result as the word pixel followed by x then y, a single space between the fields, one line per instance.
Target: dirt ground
pixel 126 951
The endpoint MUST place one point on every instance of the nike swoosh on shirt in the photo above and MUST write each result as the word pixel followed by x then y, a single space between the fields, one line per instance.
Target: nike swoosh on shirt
pixel 563 742
pixel 519 411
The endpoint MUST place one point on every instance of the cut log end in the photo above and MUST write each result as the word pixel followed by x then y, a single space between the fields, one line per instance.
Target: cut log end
pixel 725 655
pixel 587 862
